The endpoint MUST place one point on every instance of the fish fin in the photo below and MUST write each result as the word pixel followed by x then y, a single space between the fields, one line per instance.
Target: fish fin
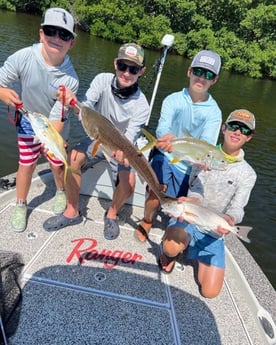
pixel 191 214
pixel 55 133
pixel 50 154
pixel 186 134
pixel 71 169
pixel 152 141
pixel 242 232
pixel 147 147
pixel 175 160
pixel 95 148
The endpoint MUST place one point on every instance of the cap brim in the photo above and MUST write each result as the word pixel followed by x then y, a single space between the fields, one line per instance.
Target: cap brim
pixel 58 26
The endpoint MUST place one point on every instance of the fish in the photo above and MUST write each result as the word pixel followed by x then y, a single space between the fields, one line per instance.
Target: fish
pixel 106 135
pixel 188 148
pixel 205 218
pixel 47 134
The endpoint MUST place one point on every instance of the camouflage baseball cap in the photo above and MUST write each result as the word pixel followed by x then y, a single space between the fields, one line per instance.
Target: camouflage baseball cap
pixel 132 52
pixel 244 116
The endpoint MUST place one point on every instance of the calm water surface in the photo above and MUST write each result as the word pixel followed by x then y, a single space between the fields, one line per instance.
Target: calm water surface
pixel 91 56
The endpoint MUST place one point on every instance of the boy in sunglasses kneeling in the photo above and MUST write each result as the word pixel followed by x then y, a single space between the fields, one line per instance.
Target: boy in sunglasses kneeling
pixel 118 97
pixel 194 111
pixel 38 70
pixel 224 191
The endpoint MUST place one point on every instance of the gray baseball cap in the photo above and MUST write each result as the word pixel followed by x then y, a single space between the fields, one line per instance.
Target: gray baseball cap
pixel 207 59
pixel 60 18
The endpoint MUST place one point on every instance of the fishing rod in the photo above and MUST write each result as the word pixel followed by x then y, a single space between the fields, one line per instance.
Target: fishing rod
pixel 167 42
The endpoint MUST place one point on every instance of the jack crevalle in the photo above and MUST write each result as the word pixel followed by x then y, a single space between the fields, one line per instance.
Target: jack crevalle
pixel 193 150
pixel 46 133
pixel 205 218
pixel 111 139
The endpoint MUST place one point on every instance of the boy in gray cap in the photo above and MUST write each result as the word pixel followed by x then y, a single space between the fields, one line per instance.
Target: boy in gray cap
pixel 118 98
pixel 226 192
pixel 38 70
pixel 192 110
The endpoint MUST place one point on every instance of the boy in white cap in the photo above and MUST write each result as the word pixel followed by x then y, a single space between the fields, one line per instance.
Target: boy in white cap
pixel 119 98
pixel 224 191
pixel 39 70
pixel 192 110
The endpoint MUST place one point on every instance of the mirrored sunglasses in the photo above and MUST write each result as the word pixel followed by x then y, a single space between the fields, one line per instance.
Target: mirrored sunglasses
pixel 233 127
pixel 122 67
pixel 52 31
pixel 198 71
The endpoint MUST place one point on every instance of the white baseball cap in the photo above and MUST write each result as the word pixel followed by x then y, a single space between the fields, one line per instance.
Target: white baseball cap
pixel 60 18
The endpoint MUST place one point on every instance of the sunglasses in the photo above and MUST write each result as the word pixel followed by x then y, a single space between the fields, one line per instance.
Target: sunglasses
pixel 122 67
pixel 52 31
pixel 235 126
pixel 197 71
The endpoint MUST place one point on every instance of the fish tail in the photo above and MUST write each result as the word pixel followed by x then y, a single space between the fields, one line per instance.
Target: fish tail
pixel 164 198
pixel 242 232
pixel 67 168
pixel 152 140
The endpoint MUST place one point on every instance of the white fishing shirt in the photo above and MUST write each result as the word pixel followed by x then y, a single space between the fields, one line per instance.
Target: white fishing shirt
pixel 128 114
pixel 224 191
pixel 179 115
pixel 38 83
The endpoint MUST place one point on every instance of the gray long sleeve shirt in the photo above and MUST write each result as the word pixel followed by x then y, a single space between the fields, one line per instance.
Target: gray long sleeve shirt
pixel 225 191
pixel 128 115
pixel 36 79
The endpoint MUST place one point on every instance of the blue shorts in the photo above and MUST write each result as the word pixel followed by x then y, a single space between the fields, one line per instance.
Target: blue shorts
pixel 86 146
pixel 169 175
pixel 203 247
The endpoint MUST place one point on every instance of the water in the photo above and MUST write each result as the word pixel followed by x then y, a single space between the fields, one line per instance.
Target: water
pixel 92 55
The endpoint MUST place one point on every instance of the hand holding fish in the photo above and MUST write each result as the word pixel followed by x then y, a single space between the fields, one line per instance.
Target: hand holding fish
pixel 221 231
pixel 230 221
pixel 208 220
pixel 9 97
pixel 119 157
pixel 188 149
pixel 164 143
pixel 180 200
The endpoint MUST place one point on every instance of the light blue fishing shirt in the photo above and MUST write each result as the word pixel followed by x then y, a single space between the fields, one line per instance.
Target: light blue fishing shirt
pixel 180 115
pixel 224 191
pixel 28 69
pixel 128 114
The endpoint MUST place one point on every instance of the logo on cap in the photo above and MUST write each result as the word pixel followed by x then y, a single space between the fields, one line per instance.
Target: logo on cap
pixel 242 115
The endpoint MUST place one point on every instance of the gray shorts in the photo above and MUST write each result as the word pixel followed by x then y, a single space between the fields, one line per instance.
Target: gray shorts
pixel 86 146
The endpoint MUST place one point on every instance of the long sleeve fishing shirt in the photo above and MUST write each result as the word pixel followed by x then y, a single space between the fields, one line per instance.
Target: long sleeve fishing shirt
pixel 128 114
pixel 180 115
pixel 38 83
pixel 224 191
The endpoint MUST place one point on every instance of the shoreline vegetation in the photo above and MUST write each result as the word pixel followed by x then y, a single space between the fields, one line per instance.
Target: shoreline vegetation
pixel 243 32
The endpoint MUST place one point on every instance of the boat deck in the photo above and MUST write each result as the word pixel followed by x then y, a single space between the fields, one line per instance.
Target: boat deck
pixel 79 288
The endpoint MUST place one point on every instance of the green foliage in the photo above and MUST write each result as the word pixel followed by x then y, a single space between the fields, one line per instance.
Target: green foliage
pixel 260 24
pixel 243 32
pixel 180 43
pixel 7 5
